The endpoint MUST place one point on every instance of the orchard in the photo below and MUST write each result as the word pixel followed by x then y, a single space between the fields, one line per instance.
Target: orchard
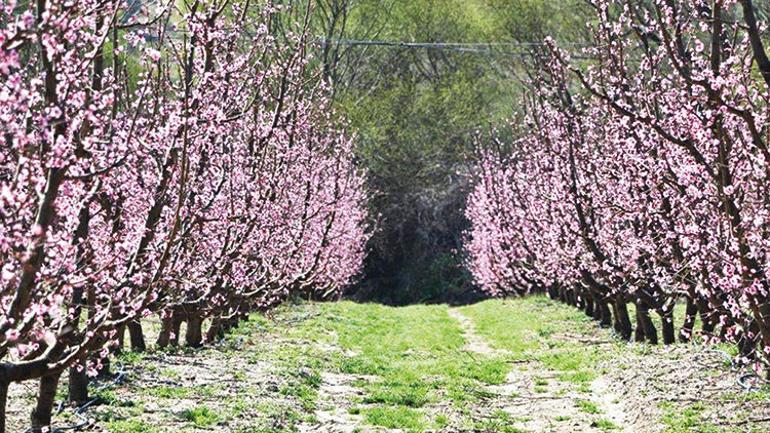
pixel 641 177
pixel 281 215
pixel 164 162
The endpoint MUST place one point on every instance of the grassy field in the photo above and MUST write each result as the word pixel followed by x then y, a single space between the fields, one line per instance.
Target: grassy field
pixel 524 365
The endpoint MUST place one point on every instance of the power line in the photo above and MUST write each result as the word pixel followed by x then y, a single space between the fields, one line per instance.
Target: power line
pixel 464 47
pixel 324 40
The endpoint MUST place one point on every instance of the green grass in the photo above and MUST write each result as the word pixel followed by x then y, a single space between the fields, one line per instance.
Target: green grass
pixel 416 351
pixel 129 426
pixel 693 418
pixel 588 406
pixel 169 392
pixel 498 422
pixel 606 425
pixel 201 416
pixel 396 417
pixel 528 329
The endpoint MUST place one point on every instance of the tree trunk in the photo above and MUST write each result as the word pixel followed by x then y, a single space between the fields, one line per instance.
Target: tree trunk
pixel 606 315
pixel 624 322
pixel 650 333
pixel 41 414
pixel 747 346
pixel 588 305
pixel 639 331
pixel 121 339
pixel 667 328
pixel 685 334
pixel 708 322
pixel 136 335
pixel 104 372
pixel 563 295
pixel 176 327
pixel 3 400
pixel 78 384
pixel 553 293
pixel 194 334
pixel 215 331
pixel 169 331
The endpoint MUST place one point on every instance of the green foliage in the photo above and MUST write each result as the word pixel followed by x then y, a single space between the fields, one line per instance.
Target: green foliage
pixel 201 416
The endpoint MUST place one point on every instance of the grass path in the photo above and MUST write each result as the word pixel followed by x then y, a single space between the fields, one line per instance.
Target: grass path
pixel 534 399
pixel 526 365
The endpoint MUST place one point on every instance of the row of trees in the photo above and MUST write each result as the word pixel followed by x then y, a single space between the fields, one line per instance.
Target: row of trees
pixel 176 159
pixel 641 175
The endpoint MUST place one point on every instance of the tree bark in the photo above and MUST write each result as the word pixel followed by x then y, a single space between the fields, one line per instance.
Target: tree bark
pixel 169 332
pixel 194 334
pixel 606 315
pixel 41 414
pixel 588 305
pixel 78 383
pixel 706 316
pixel 667 327
pixel 685 334
pixel 3 401
pixel 643 316
pixel 624 322
pixel 136 335
pixel 639 331
pixel 215 331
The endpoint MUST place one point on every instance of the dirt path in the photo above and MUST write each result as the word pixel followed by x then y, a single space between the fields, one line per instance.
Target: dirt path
pixel 473 342
pixel 536 400
pixel 335 397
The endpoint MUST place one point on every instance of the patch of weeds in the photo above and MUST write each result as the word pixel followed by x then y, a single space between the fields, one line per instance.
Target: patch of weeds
pixel 410 394
pixel 576 365
pixel 305 394
pixel 165 391
pixel 364 365
pixel 760 395
pixel 106 396
pixel 605 425
pixel 541 389
pixel 129 426
pixel 545 332
pixel 303 384
pixel 170 373
pixel 441 421
pixel 399 417
pixel 685 420
pixel 562 418
pixel 541 381
pixel 207 391
pixel 130 357
pixel 238 406
pixel 498 422
pixel 275 417
pixel 201 416
pixel 588 406
pixel 489 371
